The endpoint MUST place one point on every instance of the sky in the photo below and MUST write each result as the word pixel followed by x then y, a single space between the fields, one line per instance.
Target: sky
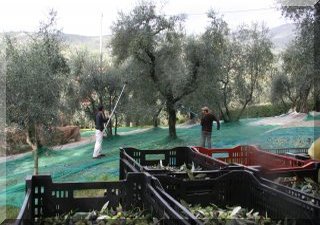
pixel 83 17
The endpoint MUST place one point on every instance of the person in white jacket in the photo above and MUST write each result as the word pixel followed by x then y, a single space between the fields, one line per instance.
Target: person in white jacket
pixel 100 120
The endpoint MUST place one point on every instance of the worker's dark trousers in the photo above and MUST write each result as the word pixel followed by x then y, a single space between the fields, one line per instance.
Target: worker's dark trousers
pixel 205 137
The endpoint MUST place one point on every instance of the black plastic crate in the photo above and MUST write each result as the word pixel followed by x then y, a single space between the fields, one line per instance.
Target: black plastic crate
pixel 283 151
pixel 47 199
pixel 136 160
pixel 266 179
pixel 245 189
pixel 269 180
pixel 296 193
pixel 298 153
pixel 311 172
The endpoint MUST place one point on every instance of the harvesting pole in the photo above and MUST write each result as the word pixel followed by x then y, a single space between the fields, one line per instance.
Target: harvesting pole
pixel 188 110
pixel 116 105
pixel 101 43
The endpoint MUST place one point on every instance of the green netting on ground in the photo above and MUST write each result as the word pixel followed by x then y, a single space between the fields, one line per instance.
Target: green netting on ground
pixel 76 164
pixel 295 137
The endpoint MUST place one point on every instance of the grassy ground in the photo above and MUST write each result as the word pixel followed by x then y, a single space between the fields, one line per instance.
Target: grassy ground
pixel 76 164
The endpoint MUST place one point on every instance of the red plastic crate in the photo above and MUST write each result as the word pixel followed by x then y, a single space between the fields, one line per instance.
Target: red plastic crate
pixel 252 157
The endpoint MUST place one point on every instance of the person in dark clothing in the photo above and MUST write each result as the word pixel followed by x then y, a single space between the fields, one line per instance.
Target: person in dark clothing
pixel 206 124
pixel 100 120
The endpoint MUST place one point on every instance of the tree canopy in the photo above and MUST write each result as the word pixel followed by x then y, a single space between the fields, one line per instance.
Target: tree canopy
pixel 35 75
pixel 158 44
pixel 299 59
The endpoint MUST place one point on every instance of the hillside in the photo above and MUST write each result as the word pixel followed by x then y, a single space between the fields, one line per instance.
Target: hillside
pixel 90 42
pixel 280 36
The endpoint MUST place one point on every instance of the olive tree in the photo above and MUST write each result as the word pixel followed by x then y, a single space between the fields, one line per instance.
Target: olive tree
pixel 317 56
pixel 2 99
pixel 306 16
pixel 234 67
pixel 280 90
pixel 171 62
pixel 253 62
pixel 34 82
pixel 95 83
pixel 212 48
pixel 144 102
pixel 297 76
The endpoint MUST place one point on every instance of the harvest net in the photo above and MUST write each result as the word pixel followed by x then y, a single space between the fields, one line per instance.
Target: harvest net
pixel 76 164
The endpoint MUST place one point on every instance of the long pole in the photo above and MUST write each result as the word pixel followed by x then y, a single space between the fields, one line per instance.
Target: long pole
pixel 188 110
pixel 115 105
pixel 101 43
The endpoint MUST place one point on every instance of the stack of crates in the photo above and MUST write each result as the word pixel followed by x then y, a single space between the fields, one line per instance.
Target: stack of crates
pixel 242 176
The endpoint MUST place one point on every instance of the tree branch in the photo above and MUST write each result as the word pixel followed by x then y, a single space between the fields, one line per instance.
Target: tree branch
pixel 190 86
pixel 153 71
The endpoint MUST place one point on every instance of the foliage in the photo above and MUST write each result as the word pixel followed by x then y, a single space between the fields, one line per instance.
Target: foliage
pixel 279 87
pixel 212 214
pixel 106 215
pixel 189 170
pixel 256 111
pixel 297 10
pixel 304 184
